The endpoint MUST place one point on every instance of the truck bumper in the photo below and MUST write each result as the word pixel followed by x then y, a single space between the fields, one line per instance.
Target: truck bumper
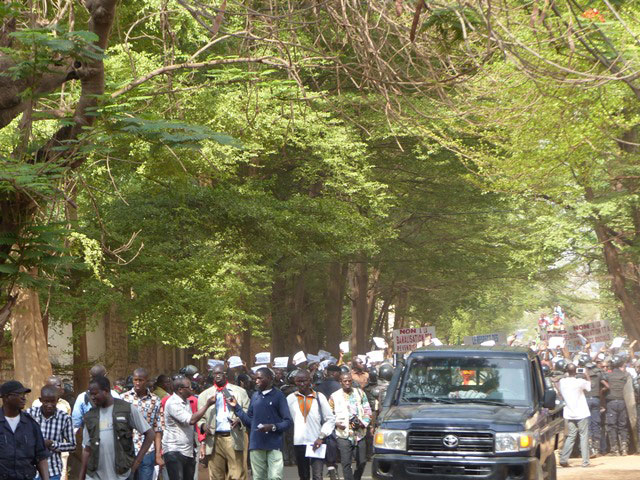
pixel 392 466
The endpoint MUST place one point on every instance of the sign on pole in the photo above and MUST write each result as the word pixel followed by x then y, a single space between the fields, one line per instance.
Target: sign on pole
pixel 407 339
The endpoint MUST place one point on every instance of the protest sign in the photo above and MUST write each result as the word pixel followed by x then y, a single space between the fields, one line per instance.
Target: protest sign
pixel 376 356
pixel 323 354
pixel 579 335
pixel 557 342
pixel 344 347
pixel 380 343
pixel 263 358
pixel 280 362
pixel 214 363
pixel 407 339
pixel 617 342
pixel 498 338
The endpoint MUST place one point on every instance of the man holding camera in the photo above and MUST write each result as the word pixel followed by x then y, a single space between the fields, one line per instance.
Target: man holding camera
pixel 353 415
pixel 576 413
pixel 226 437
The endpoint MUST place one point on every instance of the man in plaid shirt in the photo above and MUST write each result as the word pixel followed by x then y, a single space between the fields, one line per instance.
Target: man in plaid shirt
pixel 140 396
pixel 56 427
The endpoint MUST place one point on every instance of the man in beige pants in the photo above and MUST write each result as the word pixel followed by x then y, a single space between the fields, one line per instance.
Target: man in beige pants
pixel 226 437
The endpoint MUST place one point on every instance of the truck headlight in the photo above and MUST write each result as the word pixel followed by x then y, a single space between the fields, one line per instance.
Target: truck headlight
pixel 514 442
pixel 391 439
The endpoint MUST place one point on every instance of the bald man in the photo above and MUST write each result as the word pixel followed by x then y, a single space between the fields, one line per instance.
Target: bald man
pixel 83 403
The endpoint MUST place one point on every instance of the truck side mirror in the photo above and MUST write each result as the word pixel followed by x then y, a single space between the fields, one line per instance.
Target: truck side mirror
pixel 549 400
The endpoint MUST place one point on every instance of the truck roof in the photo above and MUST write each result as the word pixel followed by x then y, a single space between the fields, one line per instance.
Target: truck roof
pixel 496 351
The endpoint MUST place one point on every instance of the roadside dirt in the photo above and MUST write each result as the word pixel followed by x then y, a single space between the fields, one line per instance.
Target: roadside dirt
pixel 603 468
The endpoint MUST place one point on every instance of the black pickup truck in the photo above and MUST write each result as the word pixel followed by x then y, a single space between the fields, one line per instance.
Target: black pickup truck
pixel 468 412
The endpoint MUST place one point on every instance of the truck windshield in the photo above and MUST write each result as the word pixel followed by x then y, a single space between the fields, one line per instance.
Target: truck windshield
pixel 467 380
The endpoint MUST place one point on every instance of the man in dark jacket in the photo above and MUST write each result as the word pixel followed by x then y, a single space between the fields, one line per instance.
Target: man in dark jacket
pixel 23 458
pixel 268 417
pixel 616 416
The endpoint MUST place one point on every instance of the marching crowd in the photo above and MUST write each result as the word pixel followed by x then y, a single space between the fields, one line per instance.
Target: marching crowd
pixel 599 389
pixel 316 413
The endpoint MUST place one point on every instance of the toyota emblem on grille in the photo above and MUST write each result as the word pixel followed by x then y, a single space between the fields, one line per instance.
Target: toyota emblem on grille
pixel 450 441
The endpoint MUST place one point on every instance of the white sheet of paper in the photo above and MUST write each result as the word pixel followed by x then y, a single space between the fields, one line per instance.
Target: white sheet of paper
pixel 376 356
pixel 555 342
pixel 319 453
pixel 263 358
pixel 344 347
pixel 617 342
pixel 323 354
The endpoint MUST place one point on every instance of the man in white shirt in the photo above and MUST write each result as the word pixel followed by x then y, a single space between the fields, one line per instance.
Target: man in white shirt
pixel 178 438
pixel 576 413
pixel 313 421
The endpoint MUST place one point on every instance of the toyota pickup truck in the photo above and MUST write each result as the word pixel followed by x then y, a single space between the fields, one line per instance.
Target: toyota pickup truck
pixel 468 412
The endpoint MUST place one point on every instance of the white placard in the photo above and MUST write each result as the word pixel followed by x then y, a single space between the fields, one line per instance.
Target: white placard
pixel 497 338
pixel 488 343
pixel 280 362
pixel 321 452
pixel 234 361
pixel 299 358
pixel 214 363
pixel 313 358
pixel 263 358
pixel 407 339
pixel 344 347
pixel 380 343
pixel 376 356
pixel 556 342
pixel 595 347
pixel 323 354
pixel 617 342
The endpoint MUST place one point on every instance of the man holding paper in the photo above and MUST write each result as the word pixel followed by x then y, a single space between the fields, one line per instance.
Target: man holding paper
pixel 313 421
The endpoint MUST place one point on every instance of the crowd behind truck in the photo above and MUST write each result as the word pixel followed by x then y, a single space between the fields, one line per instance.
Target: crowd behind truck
pixel 344 398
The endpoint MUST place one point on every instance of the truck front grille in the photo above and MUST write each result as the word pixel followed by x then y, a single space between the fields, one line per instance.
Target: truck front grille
pixel 436 441
pixel 448 469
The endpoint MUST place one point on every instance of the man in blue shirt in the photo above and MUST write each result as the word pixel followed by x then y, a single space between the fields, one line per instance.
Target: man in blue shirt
pixel 268 416
pixel 23 450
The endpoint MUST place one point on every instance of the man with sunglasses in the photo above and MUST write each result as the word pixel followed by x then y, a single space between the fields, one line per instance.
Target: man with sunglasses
pixel 178 439
pixel 23 452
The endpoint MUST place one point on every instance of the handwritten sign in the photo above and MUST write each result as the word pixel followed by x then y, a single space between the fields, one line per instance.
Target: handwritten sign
pixel 407 339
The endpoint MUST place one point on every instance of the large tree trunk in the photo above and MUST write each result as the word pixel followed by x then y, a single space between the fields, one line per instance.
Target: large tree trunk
pixel 359 281
pixel 629 310
pixel 117 345
pixel 80 354
pixel 336 283
pixel 279 319
pixel 30 351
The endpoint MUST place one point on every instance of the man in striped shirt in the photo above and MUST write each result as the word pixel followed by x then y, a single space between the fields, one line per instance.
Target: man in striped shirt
pixel 56 427
pixel 140 396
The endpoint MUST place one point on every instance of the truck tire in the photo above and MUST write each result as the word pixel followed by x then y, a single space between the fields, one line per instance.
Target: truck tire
pixel 550 467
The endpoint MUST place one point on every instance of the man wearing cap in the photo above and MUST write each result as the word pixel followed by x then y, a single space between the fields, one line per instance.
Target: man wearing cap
pixel 23 452
pixel 226 437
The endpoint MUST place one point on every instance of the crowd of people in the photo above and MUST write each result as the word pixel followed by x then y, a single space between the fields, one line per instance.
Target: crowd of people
pixel 314 413
pixel 598 389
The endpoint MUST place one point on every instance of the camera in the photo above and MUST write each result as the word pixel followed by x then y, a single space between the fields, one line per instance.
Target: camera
pixel 580 370
pixel 355 422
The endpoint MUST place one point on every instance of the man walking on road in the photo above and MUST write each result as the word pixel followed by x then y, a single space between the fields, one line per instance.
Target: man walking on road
pixel 108 435
pixel 576 414
pixel 268 417
pixel 353 415
pixel 149 405
pixel 225 440
pixel 56 428
pixel 313 421
pixel 178 437
pixel 23 449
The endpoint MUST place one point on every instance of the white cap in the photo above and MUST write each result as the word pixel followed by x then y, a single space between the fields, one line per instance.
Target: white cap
pixel 263 358
pixel 280 362
pixel 299 358
pixel 235 361
pixel 214 363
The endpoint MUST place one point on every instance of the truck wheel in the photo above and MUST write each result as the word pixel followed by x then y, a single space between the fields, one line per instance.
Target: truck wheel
pixel 550 470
